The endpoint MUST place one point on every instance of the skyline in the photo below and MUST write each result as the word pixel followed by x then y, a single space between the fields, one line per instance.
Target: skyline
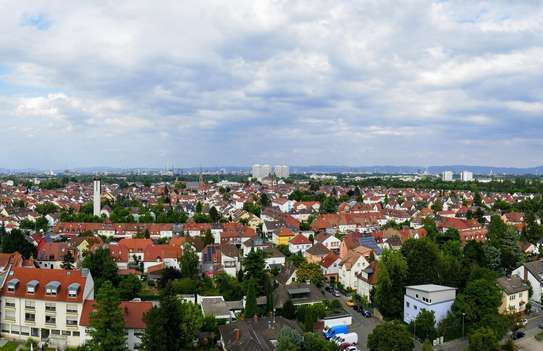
pixel 136 85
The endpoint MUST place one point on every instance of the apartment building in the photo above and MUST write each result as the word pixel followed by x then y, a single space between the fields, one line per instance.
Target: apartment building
pixel 45 305
pixel 435 298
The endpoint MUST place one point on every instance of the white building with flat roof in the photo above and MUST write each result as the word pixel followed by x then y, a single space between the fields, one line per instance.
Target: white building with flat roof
pixel 466 176
pixel 447 176
pixel 436 298
pixel 281 171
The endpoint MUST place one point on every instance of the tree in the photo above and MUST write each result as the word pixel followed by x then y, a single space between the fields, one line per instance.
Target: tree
pixel 390 283
pixel 268 287
pixel 310 272
pixel 208 237
pixel 483 339
pixel 265 200
pixel 289 340
pixel 214 214
pixel 171 326
pixel 390 336
pixel 250 302
pixel 254 265
pixel 16 241
pixel 315 342
pixel 169 274
pixel 68 261
pixel 437 205
pixel 107 323
pixel 129 287
pixel 189 262
pixel 424 325
pixel 421 256
pixel 289 310
pixel 102 267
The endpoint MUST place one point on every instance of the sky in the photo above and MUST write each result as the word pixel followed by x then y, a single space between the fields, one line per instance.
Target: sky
pixel 201 83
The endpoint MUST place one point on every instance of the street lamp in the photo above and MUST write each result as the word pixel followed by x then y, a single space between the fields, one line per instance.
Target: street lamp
pixel 463 314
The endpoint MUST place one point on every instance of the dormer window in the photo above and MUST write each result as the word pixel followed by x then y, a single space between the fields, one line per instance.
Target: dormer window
pixel 73 289
pixel 31 286
pixel 52 288
pixel 12 284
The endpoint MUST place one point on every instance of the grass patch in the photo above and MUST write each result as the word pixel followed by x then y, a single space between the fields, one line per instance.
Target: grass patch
pixel 10 346
pixel 539 337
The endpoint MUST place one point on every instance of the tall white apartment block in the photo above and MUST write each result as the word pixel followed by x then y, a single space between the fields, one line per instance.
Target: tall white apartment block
pixel 466 176
pixel 96 199
pixel 281 171
pixel 447 176
pixel 435 298
pixel 261 171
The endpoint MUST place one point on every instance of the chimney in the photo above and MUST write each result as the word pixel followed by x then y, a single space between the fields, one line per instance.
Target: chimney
pixel 237 335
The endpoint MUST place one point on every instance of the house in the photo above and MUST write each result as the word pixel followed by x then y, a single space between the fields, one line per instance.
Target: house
pixel 330 241
pixel 330 267
pixel 515 293
pixel 274 258
pixel 165 254
pixel 230 259
pixel 298 293
pixel 255 334
pixel 532 273
pixel 133 317
pixel 299 244
pixel 355 261
pixel 136 248
pixel 367 279
pixel 45 304
pixel 51 254
pixel 283 236
pixel 435 298
pixel 316 253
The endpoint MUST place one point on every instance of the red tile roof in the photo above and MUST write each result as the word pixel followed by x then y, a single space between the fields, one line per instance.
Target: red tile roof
pixel 299 240
pixel 133 313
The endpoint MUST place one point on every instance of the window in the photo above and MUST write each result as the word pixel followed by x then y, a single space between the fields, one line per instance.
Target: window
pixel 71 308
pixel 50 319
pixel 10 303
pixel 50 307
pixel 30 317
pixel 25 331
pixel 65 333
pixel 55 332
pixel 5 328
pixel 406 303
pixel 9 315
pixel 415 307
pixel 512 297
pixel 75 333
pixel 30 305
pixel 34 332
pixel 71 322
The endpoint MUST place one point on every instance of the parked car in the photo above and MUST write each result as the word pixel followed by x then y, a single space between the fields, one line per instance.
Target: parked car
pixel 517 334
pixel 349 302
pixel 347 338
pixel 352 348
pixel 335 330
pixel 336 293
pixel 524 322
pixel 345 346
pixel 540 325
pixel 366 313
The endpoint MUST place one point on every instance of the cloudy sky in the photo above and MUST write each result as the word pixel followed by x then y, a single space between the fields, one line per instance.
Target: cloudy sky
pixel 145 83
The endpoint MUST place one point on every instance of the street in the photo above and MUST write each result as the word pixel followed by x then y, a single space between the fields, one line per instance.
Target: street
pixel 528 342
pixel 361 325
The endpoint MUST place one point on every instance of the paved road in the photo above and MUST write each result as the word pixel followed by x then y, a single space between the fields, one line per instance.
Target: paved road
pixel 362 326
pixel 528 342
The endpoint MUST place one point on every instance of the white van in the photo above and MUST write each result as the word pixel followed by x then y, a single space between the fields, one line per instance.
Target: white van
pixel 349 338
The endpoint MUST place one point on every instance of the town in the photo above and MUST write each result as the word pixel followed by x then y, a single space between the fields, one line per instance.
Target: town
pixel 271 260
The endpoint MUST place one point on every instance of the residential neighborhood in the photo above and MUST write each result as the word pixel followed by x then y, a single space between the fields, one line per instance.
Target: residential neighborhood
pixel 253 263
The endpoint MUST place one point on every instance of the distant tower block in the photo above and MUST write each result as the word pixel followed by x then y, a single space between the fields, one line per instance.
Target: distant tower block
pixel 96 202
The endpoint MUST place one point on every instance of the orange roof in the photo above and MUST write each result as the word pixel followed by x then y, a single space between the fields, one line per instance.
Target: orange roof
pixel 329 259
pixel 138 245
pixel 154 252
pixel 285 232
pixel 133 313
pixel 23 275
pixel 299 240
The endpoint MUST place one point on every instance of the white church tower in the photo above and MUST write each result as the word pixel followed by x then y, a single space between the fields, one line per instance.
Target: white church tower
pixel 96 202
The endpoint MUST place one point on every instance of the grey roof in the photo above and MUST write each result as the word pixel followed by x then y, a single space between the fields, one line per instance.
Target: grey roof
pixel 536 268
pixel 512 285
pixel 318 250
pixel 430 287
pixel 254 334
pixel 32 283
pixel 13 282
pixel 283 293
pixel 369 241
pixel 215 306
pixel 73 286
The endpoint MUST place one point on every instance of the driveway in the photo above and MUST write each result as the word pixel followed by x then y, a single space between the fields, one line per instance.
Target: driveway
pixel 362 326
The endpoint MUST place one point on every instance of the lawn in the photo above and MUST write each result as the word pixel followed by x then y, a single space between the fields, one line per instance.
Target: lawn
pixel 10 346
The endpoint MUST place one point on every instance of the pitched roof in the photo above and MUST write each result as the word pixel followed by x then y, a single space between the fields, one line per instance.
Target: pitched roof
pixel 133 313
pixel 64 278
pixel 317 250
pixel 299 239
pixel 329 259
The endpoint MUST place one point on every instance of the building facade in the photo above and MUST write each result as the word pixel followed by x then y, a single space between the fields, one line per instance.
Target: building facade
pixel 435 298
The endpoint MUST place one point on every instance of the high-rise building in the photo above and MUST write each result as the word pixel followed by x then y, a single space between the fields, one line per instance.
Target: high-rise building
pixel 261 171
pixel 281 171
pixel 447 176
pixel 96 202
pixel 466 176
